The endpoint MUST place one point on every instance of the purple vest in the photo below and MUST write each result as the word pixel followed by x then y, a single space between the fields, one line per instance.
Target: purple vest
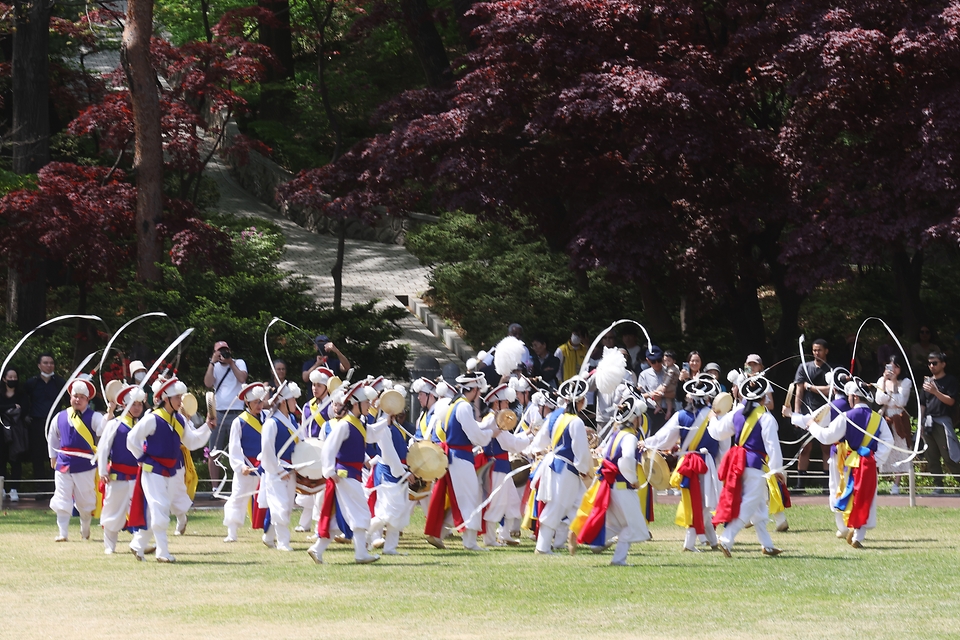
pixel 161 448
pixel 315 422
pixel 352 452
pixel 756 452
pixel 72 441
pixel 859 416
pixel 119 454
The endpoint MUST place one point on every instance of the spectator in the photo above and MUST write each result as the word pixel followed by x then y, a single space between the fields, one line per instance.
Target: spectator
pixel 893 393
pixel 40 392
pixel 920 350
pixel 713 369
pixel 751 367
pixel 327 356
pixel 940 391
pixel 811 394
pixel 671 376
pixel 137 373
pixel 572 353
pixel 545 364
pixel 650 383
pixel 226 375
pixel 692 367
pixel 11 407
pixel 628 336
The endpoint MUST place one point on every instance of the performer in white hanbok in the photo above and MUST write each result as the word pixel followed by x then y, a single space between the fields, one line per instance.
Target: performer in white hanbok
pixel 244 450
pixel 117 466
pixel 316 412
pixel 755 451
pixel 505 503
pixel 558 483
pixel 71 444
pixel 279 437
pixel 156 442
pixel 342 457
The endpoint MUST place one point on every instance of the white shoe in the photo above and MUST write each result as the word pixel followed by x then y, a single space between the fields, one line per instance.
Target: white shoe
pixel 368 559
pixel 108 552
pixel 894 490
pixel 393 552
pixel 315 554
pixel 299 529
pixel 60 539
pixel 229 539
pixel 378 543
pixel 166 559
pixel 618 563
pixel 269 543
pixel 181 528
pixel 137 554
pixel 14 496
pixel 85 530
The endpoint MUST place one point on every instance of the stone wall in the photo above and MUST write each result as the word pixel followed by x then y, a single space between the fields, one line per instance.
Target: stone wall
pixel 262 176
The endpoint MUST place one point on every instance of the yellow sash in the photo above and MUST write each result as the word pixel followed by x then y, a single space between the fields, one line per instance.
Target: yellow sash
pixel 82 429
pixel 695 443
pixel 314 405
pixel 559 427
pixel 851 457
pixel 445 424
pixel 358 425
pixel 171 420
pixel 252 420
pixel 750 424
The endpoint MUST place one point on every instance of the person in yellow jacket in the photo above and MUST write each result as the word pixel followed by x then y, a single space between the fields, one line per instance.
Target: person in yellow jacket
pixel 572 353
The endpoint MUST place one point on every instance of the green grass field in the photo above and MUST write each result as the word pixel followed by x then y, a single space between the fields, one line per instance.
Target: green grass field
pixel 905 584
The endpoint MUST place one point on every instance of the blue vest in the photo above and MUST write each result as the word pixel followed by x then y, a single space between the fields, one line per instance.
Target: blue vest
pixel 119 454
pixel 352 451
pixel 687 421
pixel 250 439
pixel 614 455
pixel 283 435
pixel 501 464
pixel 456 437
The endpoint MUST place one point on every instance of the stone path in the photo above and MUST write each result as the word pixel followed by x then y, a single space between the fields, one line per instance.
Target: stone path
pixel 371 270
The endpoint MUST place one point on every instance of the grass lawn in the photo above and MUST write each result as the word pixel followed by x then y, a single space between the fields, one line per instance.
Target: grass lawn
pixel 904 584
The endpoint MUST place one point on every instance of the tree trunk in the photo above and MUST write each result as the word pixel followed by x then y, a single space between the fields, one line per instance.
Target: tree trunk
pixel 337 271
pixel 655 314
pixel 148 148
pixel 26 286
pixel 278 37
pixel 465 25
pixel 426 41
pixel 907 272
pixel 742 309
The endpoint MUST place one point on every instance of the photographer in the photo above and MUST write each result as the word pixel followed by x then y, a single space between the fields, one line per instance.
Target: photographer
pixel 225 375
pixel 327 356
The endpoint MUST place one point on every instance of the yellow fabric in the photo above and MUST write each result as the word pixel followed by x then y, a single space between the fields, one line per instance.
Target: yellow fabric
pixel 695 443
pixel 173 421
pixel 314 405
pixel 251 420
pixel 750 424
pixel 444 424
pixel 851 459
pixel 586 506
pixel 776 498
pixel 81 428
pixel 527 523
pixel 684 517
pixel 572 359
pixel 190 477
pixel 357 424
pixel 559 427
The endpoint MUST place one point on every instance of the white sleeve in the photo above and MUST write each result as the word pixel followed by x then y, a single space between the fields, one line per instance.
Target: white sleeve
pixel 831 433
pixel 145 428
pixel 234 448
pixel 901 399
pixel 477 435
pixel 105 445
pixel 53 437
pixel 97 423
pixel 376 430
pixel 771 441
pixel 195 437
pixel 628 458
pixel 541 441
pixel 268 453
pixel 667 436
pixel 582 459
pixel 513 442
pixel 884 440
pixel 339 430
pixel 722 427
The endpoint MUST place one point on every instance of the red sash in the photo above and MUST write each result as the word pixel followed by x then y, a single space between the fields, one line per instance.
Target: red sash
pixel 864 489
pixel 372 498
pixel 731 473
pixel 137 517
pixel 329 501
pixel 442 489
pixel 598 515
pixel 690 468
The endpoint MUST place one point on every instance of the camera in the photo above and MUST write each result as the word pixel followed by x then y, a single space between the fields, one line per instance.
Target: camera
pixel 225 354
pixel 889 367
